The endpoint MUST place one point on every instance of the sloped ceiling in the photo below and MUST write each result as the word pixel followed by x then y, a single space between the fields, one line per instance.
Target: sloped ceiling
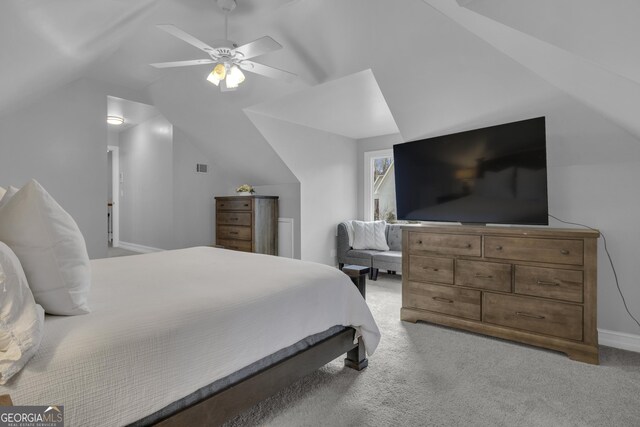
pixel 435 75
pixel 615 96
pixel 605 32
pixel 351 106
pixel 44 44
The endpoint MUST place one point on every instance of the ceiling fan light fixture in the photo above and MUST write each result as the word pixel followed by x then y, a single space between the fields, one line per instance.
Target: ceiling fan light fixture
pixel 218 73
pixel 234 77
pixel 115 120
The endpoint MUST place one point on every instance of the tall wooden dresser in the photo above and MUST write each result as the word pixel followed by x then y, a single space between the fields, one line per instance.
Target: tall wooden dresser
pixel 247 223
pixel 532 285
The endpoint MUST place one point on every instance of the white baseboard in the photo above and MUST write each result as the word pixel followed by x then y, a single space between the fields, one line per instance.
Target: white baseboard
pixel 620 340
pixel 138 248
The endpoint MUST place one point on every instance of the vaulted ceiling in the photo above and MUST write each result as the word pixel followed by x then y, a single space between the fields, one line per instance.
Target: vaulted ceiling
pixel 434 61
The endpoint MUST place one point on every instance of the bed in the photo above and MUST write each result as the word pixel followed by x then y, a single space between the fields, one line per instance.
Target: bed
pixel 193 334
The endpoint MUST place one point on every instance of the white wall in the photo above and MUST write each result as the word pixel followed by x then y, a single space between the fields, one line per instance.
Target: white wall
pixel 166 203
pixel 61 141
pixel 324 165
pixel 193 194
pixel 146 202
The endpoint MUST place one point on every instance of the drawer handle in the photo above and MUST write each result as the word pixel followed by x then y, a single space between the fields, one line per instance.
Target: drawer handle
pixel 448 301
pixel 498 248
pixel 564 252
pixel 545 283
pixel 468 246
pixel 419 242
pixel 233 232
pixel 482 276
pixel 233 219
pixel 531 316
pixel 431 268
pixel 246 205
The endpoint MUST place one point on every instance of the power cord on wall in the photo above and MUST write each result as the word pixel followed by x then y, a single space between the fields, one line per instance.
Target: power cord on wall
pixel 615 275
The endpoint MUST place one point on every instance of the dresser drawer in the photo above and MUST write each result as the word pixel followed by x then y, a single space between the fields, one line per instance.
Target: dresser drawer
pixel 431 269
pixel 555 251
pixel 545 317
pixel 549 283
pixel 445 244
pixel 236 245
pixel 444 299
pixel 484 275
pixel 231 232
pixel 234 205
pixel 234 218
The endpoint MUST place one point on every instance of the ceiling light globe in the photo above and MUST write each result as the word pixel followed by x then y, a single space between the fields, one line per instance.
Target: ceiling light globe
pixel 235 77
pixel 115 120
pixel 218 73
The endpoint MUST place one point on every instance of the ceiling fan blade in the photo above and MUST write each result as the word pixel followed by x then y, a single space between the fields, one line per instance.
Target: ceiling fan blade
pixel 258 47
pixel 267 71
pixel 182 63
pixel 186 37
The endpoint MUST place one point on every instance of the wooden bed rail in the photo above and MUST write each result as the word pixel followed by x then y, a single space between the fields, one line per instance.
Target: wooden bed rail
pixel 216 409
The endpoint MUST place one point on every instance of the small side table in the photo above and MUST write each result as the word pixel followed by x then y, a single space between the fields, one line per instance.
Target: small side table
pixel 358 275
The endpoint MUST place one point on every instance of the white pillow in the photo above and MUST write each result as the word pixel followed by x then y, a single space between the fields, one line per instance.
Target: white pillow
pixel 21 319
pixel 370 235
pixel 51 249
pixel 8 194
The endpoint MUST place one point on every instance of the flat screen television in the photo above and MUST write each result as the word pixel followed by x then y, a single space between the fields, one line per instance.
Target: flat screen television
pixel 494 175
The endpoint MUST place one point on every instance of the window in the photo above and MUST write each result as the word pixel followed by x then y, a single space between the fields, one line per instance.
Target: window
pixel 379 186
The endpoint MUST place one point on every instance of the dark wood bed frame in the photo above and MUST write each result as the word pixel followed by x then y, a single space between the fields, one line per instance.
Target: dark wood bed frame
pixel 229 402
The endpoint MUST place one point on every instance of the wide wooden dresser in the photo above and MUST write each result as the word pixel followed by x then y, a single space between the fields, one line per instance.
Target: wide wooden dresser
pixel 532 285
pixel 247 223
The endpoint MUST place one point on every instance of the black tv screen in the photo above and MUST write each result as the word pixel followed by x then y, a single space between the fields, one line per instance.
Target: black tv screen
pixel 492 175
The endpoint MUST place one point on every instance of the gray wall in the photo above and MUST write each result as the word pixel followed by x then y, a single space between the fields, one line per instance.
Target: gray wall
pixel 61 142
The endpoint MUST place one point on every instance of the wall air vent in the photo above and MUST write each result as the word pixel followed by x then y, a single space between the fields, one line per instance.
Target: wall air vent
pixel 201 168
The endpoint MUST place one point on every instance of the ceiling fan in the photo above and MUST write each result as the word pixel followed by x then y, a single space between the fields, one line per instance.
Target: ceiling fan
pixel 229 58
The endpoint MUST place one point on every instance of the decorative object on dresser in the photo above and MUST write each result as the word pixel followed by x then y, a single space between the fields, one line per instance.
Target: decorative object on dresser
pixel 247 223
pixel 245 190
pixel 531 285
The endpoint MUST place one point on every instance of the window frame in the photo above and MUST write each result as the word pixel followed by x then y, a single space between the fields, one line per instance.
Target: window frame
pixel 369 158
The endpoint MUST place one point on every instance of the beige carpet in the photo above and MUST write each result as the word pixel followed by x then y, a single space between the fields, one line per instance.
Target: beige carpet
pixel 427 375
pixel 118 252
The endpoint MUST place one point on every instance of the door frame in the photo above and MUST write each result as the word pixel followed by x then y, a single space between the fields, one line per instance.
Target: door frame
pixel 115 193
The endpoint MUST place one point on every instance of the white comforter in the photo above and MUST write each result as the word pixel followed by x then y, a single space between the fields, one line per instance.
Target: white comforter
pixel 166 324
